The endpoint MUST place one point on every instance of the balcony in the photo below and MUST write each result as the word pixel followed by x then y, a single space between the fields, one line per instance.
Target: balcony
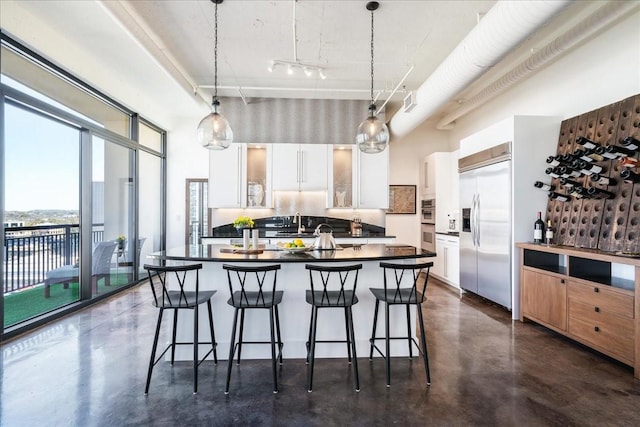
pixel 30 252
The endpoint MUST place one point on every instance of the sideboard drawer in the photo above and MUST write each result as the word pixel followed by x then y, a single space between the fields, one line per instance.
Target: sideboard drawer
pixel 601 296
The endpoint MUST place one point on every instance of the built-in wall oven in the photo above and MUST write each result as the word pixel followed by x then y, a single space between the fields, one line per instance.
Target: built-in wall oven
pixel 428 208
pixel 428 237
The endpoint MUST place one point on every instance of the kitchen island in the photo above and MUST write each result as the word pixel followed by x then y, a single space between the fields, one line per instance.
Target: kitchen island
pixel 293 279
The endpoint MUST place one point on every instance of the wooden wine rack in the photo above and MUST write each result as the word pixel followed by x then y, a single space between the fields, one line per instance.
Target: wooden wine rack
pixel 611 225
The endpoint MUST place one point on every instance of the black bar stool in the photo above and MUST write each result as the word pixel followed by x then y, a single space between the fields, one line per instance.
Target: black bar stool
pixel 339 292
pixel 399 290
pixel 254 287
pixel 174 298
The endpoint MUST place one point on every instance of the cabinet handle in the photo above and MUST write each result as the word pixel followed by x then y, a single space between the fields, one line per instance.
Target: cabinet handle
pixel 597 309
pixel 596 290
pixel 298 166
pixel 239 176
pixel 596 328
pixel 302 166
pixel 446 274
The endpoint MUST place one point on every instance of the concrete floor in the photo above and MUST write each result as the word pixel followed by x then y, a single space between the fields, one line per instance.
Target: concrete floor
pixel 89 370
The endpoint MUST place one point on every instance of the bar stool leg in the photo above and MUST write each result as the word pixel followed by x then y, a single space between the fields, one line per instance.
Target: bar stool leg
pixel 423 340
pixel 214 344
pixel 387 356
pixel 241 334
pixel 346 327
pixel 373 332
pixel 173 336
pixel 274 361
pixel 153 351
pixel 312 346
pixel 409 331
pixel 280 345
pixel 232 345
pixel 353 344
pixel 308 343
pixel 195 349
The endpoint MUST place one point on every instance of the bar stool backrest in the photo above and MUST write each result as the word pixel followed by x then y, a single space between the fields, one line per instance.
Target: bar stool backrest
pixel 333 279
pixel 165 291
pixel 253 286
pixel 405 281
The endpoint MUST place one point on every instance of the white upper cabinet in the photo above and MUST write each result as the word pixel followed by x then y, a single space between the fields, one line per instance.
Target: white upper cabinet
pixel 299 166
pixel 239 177
pixel 356 179
pixel 373 180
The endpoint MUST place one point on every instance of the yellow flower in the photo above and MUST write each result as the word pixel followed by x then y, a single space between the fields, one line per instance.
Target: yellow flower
pixel 121 238
pixel 243 222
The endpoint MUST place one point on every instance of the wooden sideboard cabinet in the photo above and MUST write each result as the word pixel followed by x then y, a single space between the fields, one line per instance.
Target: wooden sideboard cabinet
pixel 587 295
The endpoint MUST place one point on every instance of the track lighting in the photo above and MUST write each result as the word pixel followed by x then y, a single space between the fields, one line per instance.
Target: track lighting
pixel 308 70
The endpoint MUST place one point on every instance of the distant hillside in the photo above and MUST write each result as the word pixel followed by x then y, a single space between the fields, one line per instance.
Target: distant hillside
pixel 44 216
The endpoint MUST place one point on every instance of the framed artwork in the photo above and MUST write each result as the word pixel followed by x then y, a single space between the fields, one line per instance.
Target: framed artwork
pixel 402 199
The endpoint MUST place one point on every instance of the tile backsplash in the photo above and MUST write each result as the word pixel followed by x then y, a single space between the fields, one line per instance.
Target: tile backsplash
pixel 308 203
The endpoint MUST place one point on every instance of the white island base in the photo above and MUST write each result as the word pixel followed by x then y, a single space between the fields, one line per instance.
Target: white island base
pixel 295 315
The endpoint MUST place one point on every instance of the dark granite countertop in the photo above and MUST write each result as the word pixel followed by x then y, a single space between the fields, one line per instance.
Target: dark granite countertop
pixel 351 253
pixel 274 234
pixel 449 233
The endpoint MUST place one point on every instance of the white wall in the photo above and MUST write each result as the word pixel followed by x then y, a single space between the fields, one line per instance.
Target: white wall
pixel 185 159
pixel 603 70
pixel 405 156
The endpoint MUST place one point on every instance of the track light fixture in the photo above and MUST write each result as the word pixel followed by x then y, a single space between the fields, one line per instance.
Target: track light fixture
pixel 291 68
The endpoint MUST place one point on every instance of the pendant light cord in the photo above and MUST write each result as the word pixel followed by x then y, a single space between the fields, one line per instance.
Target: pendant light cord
pixel 215 56
pixel 372 57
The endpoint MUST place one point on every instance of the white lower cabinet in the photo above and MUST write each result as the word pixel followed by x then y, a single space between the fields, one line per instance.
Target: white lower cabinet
pixel 446 265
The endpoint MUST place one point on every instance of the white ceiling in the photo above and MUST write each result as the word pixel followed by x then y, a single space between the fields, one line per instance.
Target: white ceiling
pixel 166 47
pixel 334 35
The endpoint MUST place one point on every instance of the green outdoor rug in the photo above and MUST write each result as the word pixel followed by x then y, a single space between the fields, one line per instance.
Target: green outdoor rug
pixel 30 302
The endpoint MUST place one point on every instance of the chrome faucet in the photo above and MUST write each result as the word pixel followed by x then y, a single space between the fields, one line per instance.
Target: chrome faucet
pixel 297 219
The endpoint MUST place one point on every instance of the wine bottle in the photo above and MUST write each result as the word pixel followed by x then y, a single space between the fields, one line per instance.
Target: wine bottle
pixel 613 152
pixel 552 172
pixel 587 168
pixel 558 196
pixel 585 155
pixel 586 142
pixel 598 193
pixel 538 229
pixel 543 186
pixel 548 236
pixel 629 176
pixel 568 182
pixel 553 161
pixel 568 171
pixel 567 158
pixel 604 180
pixel 631 143
pixel 629 162
pixel 579 192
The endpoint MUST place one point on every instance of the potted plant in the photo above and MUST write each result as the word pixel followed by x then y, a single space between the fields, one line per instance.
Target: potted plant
pixel 243 222
pixel 121 240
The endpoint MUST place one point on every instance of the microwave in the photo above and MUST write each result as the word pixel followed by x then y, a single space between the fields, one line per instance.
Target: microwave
pixel 428 211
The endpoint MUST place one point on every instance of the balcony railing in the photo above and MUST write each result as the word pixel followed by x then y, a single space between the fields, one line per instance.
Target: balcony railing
pixel 29 252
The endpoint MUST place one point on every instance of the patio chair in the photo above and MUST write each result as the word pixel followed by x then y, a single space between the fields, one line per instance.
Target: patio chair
pixel 100 269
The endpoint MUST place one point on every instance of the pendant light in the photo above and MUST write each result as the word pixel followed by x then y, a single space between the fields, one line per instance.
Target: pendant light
pixel 373 134
pixel 214 131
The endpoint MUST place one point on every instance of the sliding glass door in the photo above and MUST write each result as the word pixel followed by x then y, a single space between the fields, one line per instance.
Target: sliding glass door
pixel 41 218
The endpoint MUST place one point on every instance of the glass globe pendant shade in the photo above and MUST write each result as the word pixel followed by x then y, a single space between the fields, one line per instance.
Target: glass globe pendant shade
pixel 214 131
pixel 373 135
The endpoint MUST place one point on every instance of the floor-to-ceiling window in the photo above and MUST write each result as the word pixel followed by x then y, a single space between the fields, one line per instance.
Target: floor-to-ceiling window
pixel 82 191
pixel 41 219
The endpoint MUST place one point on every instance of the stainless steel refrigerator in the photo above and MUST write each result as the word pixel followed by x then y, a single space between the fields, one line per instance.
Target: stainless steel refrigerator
pixel 485 237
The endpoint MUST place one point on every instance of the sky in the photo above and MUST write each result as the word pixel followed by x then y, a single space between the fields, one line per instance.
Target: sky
pixel 42 160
